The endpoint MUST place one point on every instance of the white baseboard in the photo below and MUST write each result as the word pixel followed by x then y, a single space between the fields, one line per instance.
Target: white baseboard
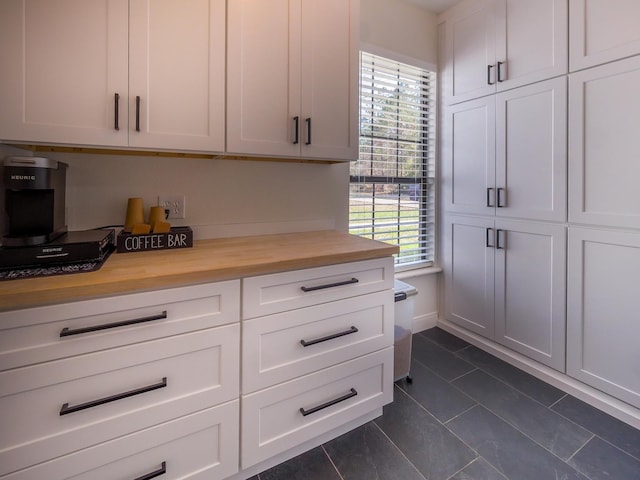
pixel 425 321
pixel 608 404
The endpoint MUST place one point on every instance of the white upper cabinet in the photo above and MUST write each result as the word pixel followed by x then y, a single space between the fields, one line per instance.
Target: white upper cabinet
pixel 64 64
pixel 507 154
pixel 604 141
pixel 292 77
pixel 495 45
pixel 114 73
pixel 602 31
pixel 176 68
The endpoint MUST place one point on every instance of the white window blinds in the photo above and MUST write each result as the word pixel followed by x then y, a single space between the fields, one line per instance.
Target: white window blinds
pixel 392 183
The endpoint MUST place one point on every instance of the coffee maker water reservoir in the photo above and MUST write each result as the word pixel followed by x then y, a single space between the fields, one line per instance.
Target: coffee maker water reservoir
pixel 34 189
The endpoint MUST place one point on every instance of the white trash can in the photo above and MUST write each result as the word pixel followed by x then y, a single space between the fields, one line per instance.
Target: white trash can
pixel 403 311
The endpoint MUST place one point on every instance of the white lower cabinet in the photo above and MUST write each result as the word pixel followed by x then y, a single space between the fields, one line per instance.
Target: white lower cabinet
pixel 73 383
pixel 287 345
pixel 153 384
pixel 286 415
pixel 317 353
pixel 200 446
pixel 505 280
pixel 602 311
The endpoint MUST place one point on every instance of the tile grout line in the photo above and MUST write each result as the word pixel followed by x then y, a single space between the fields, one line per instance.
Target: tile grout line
pixel 399 450
pixel 550 407
pixel 332 463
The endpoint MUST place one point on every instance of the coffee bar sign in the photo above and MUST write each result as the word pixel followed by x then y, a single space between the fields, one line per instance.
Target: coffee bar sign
pixel 178 237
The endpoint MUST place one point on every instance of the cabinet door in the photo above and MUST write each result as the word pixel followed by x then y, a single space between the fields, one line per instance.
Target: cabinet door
pixel 263 77
pixel 604 141
pixel 330 45
pixel 602 311
pixel 469 270
pixel 531 41
pixel 177 61
pixel 602 31
pixel 468 177
pixel 530 290
pixel 469 53
pixel 531 151
pixel 63 63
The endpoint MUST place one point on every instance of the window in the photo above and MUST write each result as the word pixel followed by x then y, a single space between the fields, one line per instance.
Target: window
pixel 392 184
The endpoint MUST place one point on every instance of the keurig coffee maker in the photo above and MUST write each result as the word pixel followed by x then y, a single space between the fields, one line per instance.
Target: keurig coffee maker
pixel 34 194
pixel 34 189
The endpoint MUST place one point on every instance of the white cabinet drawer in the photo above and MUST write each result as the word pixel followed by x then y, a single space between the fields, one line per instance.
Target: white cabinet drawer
pixel 200 369
pixel 279 292
pixel 200 446
pixel 273 420
pixel 37 335
pixel 291 344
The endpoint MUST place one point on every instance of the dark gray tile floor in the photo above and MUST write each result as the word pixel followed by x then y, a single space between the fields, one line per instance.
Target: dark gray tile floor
pixel 470 416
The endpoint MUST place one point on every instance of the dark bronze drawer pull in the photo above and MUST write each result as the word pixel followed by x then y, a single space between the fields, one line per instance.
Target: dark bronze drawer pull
pixel 304 343
pixel 66 409
pixel 148 476
pixel 329 285
pixel 352 393
pixel 66 332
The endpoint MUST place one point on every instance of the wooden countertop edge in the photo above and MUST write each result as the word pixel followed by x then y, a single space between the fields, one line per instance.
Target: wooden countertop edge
pixel 108 281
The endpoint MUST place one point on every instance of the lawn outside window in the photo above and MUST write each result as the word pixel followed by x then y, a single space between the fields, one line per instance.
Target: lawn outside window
pixel 392 183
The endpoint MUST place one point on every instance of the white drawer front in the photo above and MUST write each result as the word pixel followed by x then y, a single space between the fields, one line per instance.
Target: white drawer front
pixel 272 421
pixel 203 445
pixel 273 350
pixel 41 334
pixel 279 292
pixel 201 370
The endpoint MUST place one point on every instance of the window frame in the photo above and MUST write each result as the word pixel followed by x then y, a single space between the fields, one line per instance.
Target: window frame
pixel 425 182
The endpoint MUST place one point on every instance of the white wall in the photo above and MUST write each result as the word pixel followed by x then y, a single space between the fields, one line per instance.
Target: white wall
pixel 401 29
pixel 223 197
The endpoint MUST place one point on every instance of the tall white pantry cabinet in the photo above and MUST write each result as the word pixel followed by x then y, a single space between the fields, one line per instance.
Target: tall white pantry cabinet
pixel 540 130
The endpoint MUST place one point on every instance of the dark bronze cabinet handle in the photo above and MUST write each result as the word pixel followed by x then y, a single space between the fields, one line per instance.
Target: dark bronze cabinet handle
pixel 66 409
pixel 498 246
pixel 489 190
pixel 116 108
pixel 308 142
pixel 499 203
pixel 486 238
pixel 329 285
pixel 66 332
pixel 305 343
pixel 500 79
pixel 352 393
pixel 137 113
pixel 489 82
pixel 296 130
pixel 148 476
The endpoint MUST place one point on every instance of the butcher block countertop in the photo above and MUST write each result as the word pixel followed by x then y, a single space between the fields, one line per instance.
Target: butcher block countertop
pixel 208 261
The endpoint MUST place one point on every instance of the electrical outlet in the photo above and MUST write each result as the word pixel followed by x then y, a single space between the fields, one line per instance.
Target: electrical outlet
pixel 175 205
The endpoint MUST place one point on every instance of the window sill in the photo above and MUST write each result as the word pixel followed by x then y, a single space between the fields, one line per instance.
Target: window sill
pixel 416 272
